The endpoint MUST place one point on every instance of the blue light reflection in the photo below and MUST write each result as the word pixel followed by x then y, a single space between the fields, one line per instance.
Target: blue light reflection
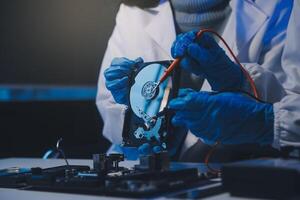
pixel 47 93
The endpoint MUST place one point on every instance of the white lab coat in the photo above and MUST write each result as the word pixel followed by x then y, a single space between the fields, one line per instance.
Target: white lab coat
pixel 256 32
pixel 287 111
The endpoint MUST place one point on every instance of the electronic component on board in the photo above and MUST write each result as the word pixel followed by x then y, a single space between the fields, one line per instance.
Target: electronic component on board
pixel 152 177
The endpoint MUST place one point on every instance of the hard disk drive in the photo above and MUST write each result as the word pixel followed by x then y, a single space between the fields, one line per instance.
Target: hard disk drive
pixel 147 118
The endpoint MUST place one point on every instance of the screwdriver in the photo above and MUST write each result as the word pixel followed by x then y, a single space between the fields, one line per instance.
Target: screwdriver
pixel 176 62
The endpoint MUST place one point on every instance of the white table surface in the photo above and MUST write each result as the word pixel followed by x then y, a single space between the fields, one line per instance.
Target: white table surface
pixel 15 194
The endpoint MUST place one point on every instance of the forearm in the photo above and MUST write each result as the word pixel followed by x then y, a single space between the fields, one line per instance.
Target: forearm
pixel 286 122
pixel 113 118
pixel 284 99
pixel 111 112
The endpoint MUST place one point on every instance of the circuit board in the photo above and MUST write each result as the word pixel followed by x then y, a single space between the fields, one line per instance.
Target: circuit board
pixel 152 177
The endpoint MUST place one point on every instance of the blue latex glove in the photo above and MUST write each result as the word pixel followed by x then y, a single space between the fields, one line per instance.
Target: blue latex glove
pixel 204 57
pixel 117 78
pixel 147 149
pixel 176 136
pixel 231 118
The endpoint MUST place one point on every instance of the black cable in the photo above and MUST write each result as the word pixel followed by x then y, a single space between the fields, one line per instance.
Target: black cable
pixel 142 3
pixel 243 92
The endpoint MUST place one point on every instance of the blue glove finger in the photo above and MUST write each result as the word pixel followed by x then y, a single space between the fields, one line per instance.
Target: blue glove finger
pixel 209 59
pixel 178 121
pixel 117 84
pixel 188 115
pixel 183 41
pixel 121 96
pixel 180 103
pixel 197 122
pixel 189 120
pixel 179 46
pixel 120 67
pixel 233 118
pixel 203 56
pixel 116 72
pixel 185 121
pixel 189 64
pixel 191 102
pixel 139 60
pixel 125 63
pixel 116 78
pixel 196 126
pixel 157 149
pixel 144 149
pixel 121 61
pixel 185 91
pixel 207 41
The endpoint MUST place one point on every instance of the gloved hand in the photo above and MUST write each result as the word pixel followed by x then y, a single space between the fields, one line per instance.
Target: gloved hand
pixel 117 78
pixel 231 118
pixel 147 149
pixel 204 57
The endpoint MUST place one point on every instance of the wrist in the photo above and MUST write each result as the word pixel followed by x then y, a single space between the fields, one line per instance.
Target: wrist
pixel 268 129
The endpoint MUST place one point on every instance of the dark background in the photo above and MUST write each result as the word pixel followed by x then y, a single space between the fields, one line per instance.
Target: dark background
pixel 56 43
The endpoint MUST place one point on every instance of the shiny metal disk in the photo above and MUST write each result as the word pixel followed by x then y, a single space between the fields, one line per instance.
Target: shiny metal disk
pixel 146 102
pixel 149 90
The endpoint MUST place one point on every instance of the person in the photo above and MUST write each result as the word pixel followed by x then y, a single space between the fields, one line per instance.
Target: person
pixel 256 32
pixel 287 132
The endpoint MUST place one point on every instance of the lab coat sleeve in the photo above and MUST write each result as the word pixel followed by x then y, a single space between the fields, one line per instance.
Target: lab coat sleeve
pixel 267 70
pixel 269 88
pixel 277 81
pixel 111 112
pixel 287 111
pixel 127 40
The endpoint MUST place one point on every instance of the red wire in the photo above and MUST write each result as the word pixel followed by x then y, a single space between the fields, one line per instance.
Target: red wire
pixel 206 159
pixel 176 62
pixel 248 77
